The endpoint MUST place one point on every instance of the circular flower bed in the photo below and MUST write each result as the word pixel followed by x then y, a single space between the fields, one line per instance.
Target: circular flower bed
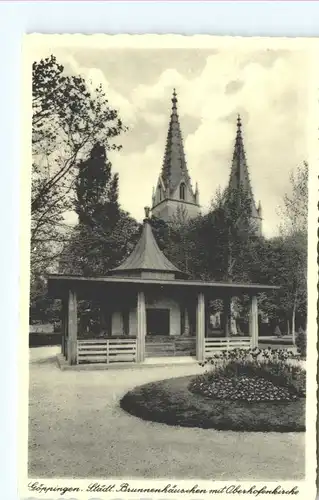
pixel 242 388
pixel 172 402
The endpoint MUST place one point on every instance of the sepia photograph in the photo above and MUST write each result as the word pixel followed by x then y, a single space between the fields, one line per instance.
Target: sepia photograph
pixel 167 259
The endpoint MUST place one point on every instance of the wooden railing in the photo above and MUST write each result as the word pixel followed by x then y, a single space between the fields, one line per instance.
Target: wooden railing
pixel 106 350
pixel 225 344
pixel 160 346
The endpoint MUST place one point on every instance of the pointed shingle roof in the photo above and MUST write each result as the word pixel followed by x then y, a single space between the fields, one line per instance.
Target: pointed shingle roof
pixel 147 256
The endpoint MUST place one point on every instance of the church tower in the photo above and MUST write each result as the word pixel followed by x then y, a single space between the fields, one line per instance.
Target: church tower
pixel 174 190
pixel 239 177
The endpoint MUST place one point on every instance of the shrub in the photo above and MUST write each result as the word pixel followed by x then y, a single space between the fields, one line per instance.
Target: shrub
pixel 253 375
pixel 249 356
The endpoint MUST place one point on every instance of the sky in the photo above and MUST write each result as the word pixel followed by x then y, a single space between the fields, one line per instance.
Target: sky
pixel 268 87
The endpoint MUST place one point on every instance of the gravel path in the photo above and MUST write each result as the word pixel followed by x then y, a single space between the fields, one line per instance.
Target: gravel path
pixel 77 429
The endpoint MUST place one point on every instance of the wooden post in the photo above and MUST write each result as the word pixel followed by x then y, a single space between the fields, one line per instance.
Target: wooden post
pixel 72 328
pixel 253 321
pixel 64 326
pixel 141 327
pixel 227 316
pixel 200 327
pixel 186 321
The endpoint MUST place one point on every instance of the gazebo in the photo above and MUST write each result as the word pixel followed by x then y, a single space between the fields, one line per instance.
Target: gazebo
pixel 150 309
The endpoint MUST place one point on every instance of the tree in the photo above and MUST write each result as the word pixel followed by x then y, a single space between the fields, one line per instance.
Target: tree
pixel 96 190
pixel 105 233
pixel 67 120
pixel 182 244
pixel 160 231
pixel 280 263
pixel 93 252
pixel 223 237
pixel 177 239
pixel 294 210
pixel 294 230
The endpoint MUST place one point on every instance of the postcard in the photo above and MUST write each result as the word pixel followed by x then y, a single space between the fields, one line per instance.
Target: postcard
pixel 168 248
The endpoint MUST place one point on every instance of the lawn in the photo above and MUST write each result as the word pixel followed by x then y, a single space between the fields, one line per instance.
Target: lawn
pixel 77 429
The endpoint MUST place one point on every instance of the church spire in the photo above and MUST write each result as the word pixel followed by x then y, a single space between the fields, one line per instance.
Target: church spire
pixel 174 189
pixel 174 163
pixel 239 173
pixel 239 176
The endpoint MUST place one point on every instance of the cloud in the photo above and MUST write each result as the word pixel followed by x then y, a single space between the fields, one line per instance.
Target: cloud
pixel 268 87
pixel 234 86
pixel 138 174
pixel 94 78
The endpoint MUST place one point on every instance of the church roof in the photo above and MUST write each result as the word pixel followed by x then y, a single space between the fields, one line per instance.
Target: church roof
pixel 239 175
pixel 174 164
pixel 147 256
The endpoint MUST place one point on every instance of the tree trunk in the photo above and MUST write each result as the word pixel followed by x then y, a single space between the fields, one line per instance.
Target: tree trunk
pixel 293 319
pixel 288 327
pixel 293 326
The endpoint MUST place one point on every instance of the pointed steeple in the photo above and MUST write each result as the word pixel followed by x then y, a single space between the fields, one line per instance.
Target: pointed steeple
pixel 174 163
pixel 174 187
pixel 239 176
pixel 147 257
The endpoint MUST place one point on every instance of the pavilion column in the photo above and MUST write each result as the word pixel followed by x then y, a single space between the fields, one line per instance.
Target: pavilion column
pixel 253 321
pixel 227 315
pixel 64 326
pixel 141 327
pixel 72 328
pixel 200 327
pixel 186 321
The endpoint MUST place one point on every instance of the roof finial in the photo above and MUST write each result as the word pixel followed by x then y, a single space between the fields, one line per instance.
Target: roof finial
pixel 174 98
pixel 238 123
pixel 147 212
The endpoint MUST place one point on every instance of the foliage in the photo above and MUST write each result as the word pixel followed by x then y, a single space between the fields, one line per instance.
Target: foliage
pixel 280 261
pixel 222 245
pixel 222 238
pixel 105 234
pixel 253 355
pixel 214 246
pixel 94 251
pixel 272 371
pixel 42 307
pixel 68 118
pixel 171 402
pixel 160 231
pixel 96 189
pixel 294 230
pixel 294 211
